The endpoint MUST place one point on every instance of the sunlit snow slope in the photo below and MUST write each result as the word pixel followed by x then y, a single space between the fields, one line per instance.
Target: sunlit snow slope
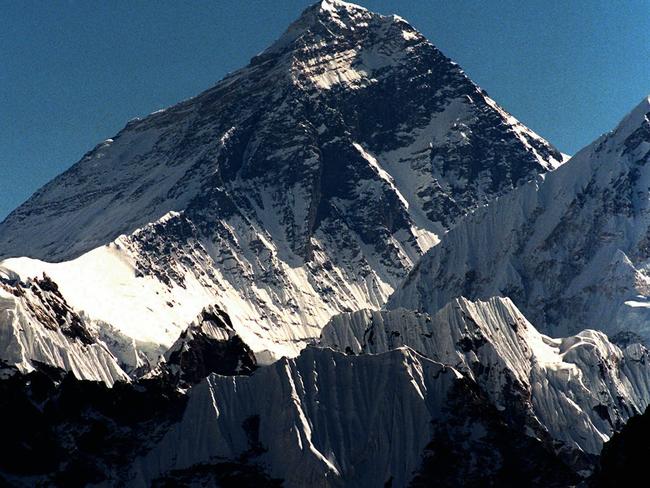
pixel 330 420
pixel 305 184
pixel 38 327
pixel 572 249
pixel 581 389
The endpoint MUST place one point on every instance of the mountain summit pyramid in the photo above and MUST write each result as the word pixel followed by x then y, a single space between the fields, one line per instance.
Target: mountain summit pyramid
pixel 305 184
pixel 203 299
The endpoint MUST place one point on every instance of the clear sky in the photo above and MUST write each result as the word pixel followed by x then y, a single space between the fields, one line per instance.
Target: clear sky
pixel 72 73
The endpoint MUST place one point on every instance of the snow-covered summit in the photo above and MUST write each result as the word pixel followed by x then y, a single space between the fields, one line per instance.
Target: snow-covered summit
pixel 337 45
pixel 305 184
pixel 157 164
pixel 342 15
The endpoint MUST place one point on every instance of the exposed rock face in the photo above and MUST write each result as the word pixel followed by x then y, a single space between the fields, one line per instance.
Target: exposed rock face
pixel 624 460
pixel 60 431
pixel 477 446
pixel 209 345
pixel 305 184
pixel 303 116
pixel 39 330
pixel 570 249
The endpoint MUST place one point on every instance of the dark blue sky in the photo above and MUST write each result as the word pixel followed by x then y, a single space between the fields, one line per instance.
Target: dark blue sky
pixel 73 73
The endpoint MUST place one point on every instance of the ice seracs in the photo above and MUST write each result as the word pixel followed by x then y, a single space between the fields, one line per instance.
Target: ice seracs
pixel 331 419
pixel 581 389
pixel 38 329
pixel 191 262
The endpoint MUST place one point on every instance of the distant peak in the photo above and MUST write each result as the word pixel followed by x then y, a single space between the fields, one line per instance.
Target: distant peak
pixel 639 112
pixel 334 5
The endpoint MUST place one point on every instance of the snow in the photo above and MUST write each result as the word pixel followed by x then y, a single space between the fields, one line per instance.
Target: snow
pixel 383 174
pixel 565 377
pixel 525 135
pixel 314 429
pixel 409 35
pixel 334 6
pixel 103 285
pixel 426 239
pixel 215 201
pixel 568 248
pixel 635 303
pixel 219 201
pixel 632 121
pixel 25 339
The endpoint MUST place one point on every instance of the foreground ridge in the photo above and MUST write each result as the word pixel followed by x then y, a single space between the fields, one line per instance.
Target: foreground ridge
pixel 580 389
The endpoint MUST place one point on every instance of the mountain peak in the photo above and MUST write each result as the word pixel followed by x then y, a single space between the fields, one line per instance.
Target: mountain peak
pixel 335 43
pixel 594 208
pixel 632 132
pixel 328 22
pixel 338 5
pixel 306 183
pixel 639 117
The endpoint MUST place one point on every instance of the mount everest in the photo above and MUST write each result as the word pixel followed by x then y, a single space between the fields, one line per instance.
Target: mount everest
pixel 343 265
pixel 285 194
